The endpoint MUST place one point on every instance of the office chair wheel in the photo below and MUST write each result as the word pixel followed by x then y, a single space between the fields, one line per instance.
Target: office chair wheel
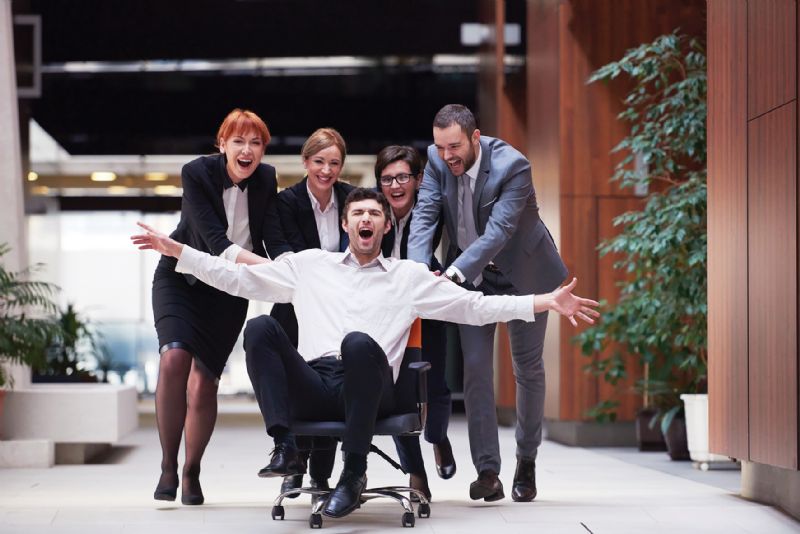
pixel 408 519
pixel 424 510
pixel 277 512
pixel 315 521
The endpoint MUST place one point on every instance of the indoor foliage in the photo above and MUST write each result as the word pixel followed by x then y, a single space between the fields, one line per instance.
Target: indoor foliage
pixel 661 313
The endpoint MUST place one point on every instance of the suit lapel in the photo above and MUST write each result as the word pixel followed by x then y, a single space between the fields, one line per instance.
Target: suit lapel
pixel 480 183
pixel 219 187
pixel 388 242
pixel 306 219
pixel 256 207
pixel 404 237
pixel 450 193
pixel 341 196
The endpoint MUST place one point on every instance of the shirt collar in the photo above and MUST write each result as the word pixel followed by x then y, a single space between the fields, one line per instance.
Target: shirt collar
pixel 347 258
pixel 473 171
pixel 227 183
pixel 315 203
pixel 403 219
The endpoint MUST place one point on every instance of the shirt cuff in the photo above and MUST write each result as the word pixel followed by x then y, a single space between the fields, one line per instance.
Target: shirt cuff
pixel 525 306
pixel 231 253
pixel 454 270
pixel 188 259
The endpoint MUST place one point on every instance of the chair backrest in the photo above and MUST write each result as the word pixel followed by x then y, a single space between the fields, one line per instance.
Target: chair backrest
pixel 406 386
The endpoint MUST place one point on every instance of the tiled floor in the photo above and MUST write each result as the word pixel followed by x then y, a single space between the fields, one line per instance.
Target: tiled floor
pixel 580 490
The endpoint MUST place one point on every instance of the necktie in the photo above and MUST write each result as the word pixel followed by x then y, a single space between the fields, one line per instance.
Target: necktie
pixel 466 221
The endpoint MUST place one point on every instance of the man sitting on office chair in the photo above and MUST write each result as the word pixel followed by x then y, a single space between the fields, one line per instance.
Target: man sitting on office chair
pixel 354 311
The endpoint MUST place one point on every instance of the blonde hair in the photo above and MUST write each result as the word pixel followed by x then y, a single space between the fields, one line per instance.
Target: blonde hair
pixel 322 139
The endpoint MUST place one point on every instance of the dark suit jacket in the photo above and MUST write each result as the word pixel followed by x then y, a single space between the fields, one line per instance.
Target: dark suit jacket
pixel 297 216
pixel 203 223
pixel 389 239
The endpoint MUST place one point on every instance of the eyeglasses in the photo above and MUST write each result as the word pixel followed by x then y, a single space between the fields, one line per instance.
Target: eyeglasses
pixel 401 178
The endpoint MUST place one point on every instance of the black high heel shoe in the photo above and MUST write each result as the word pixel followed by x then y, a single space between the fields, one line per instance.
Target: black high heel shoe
pixel 167 488
pixel 191 492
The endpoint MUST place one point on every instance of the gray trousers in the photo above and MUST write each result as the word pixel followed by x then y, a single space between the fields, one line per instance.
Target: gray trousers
pixel 477 346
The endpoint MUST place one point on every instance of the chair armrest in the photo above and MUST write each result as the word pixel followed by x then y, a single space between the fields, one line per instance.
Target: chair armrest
pixel 421 368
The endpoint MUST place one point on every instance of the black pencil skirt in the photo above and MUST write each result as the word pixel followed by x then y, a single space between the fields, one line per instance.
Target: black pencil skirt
pixel 205 319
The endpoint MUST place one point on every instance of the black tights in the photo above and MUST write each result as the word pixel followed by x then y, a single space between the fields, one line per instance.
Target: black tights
pixel 186 401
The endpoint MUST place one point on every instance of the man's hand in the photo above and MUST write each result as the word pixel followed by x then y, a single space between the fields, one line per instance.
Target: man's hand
pixel 570 306
pixel 154 240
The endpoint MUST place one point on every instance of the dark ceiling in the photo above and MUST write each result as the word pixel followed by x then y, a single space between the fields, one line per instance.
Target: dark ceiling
pixel 178 111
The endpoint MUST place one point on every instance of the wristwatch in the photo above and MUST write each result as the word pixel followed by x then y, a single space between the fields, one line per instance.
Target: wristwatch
pixel 455 278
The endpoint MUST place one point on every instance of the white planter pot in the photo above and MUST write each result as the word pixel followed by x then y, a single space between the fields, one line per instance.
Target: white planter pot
pixel 696 407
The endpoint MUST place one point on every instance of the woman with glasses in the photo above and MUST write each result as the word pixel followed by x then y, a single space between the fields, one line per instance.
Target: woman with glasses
pixel 310 214
pixel 228 209
pixel 398 171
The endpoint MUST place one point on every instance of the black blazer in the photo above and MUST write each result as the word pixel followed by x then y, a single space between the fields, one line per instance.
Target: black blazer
pixel 203 223
pixel 297 216
pixel 389 239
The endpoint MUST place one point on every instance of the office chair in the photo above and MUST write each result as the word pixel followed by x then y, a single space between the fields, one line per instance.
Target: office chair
pixel 411 389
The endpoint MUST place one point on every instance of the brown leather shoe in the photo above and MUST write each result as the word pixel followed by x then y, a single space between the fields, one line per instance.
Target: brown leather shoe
pixel 445 463
pixel 488 487
pixel 524 489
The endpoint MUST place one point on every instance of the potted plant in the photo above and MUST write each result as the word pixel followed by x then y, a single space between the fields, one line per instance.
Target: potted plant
pixel 26 320
pixel 71 350
pixel 661 313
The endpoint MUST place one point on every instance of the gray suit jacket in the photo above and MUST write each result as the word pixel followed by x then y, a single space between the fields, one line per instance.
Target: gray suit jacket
pixel 510 232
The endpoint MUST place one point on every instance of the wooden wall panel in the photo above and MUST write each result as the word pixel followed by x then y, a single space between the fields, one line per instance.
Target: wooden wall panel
pixel 771 54
pixel 596 32
pixel 727 227
pixel 572 128
pixel 772 284
pixel 577 389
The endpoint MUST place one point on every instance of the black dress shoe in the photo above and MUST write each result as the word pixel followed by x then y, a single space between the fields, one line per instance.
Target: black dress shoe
pixel 167 488
pixel 445 463
pixel 285 461
pixel 488 487
pixel 524 480
pixel 346 497
pixel 419 482
pixel 290 483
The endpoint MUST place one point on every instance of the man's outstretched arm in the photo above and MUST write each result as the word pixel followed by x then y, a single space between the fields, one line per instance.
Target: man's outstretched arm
pixel 435 298
pixel 271 282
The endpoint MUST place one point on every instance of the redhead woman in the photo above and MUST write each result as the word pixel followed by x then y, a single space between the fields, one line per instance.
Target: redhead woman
pixel 228 209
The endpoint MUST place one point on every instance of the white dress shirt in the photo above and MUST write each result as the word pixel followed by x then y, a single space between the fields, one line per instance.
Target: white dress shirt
pixel 238 215
pixel 333 295
pixel 327 220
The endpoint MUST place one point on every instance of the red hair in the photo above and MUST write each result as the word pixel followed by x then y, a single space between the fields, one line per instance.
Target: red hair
pixel 240 121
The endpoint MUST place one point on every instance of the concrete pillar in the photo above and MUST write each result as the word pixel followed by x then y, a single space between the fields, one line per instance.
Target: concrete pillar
pixel 12 215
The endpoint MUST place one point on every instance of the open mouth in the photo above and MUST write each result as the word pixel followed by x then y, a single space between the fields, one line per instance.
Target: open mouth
pixel 244 162
pixel 365 233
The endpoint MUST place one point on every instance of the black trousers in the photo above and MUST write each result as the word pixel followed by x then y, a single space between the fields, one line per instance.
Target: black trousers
pixel 356 389
pixel 434 350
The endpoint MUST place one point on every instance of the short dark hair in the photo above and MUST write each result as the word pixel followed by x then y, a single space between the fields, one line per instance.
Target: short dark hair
pixel 393 153
pixel 456 114
pixel 362 193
